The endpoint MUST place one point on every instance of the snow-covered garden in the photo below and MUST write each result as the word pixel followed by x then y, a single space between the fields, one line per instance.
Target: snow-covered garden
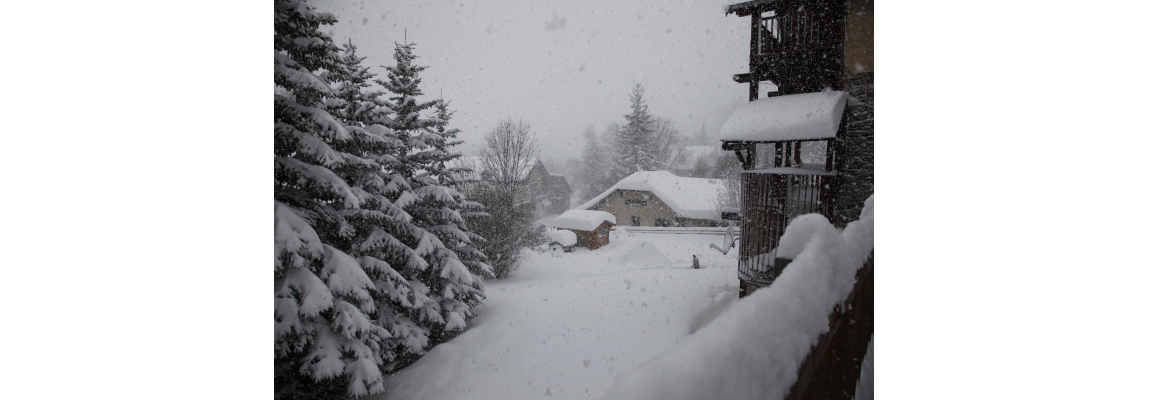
pixel 633 320
pixel 565 324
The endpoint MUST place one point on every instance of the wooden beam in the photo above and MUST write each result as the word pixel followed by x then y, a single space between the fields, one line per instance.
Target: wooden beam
pixel 745 78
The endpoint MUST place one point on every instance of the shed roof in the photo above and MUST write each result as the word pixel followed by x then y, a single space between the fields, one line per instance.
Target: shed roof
pixel 688 197
pixel 583 220
pixel 805 116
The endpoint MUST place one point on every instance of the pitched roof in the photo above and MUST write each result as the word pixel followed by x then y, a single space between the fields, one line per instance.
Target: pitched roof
pixel 582 220
pixel 688 197
pixel 805 116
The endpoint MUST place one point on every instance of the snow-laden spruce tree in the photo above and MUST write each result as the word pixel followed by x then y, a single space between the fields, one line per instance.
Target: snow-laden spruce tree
pixel 594 171
pixel 327 343
pixel 633 143
pixel 353 103
pixel 448 282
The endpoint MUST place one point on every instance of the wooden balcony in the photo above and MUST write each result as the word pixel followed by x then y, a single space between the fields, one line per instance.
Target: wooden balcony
pixel 796 44
pixel 771 198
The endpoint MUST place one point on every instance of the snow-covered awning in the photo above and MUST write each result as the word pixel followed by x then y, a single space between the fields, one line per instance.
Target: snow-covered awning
pixel 806 116
pixel 583 220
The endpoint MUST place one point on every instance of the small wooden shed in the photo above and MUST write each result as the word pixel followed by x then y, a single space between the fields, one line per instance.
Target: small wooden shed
pixel 591 228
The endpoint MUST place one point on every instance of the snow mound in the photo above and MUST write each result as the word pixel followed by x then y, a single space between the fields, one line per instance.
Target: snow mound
pixel 639 252
pixel 754 349
pixel 563 237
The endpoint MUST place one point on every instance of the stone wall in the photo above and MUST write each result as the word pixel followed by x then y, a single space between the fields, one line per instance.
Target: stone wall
pixel 856 169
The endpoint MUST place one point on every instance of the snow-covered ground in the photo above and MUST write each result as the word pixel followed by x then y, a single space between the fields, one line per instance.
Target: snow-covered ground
pixel 566 324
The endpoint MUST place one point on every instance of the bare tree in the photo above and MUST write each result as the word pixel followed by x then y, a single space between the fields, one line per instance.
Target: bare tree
pixel 508 224
pixel 511 151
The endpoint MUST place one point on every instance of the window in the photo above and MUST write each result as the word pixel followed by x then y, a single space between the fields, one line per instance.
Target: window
pixel 661 222
pixel 688 223
pixel 635 202
pixel 635 221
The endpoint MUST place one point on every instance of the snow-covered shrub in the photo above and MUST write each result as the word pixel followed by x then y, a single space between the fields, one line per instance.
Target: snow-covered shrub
pixel 508 227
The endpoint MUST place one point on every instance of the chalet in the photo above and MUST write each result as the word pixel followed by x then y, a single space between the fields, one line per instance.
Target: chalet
pixel 591 228
pixel 550 193
pixel 659 198
pixel 807 147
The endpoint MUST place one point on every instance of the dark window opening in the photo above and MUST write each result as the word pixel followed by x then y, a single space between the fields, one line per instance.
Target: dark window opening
pixel 635 221
pixel 661 222
pixel 636 202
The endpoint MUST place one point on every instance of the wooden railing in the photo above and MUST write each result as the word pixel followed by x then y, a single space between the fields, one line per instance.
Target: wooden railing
pixel 769 202
pixel 832 368
pixel 798 30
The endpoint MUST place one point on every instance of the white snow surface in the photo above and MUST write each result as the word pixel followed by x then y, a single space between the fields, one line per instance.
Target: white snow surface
pixel 754 349
pixel 804 116
pixel 566 324
pixel 583 220
pixel 688 197
pixel 563 237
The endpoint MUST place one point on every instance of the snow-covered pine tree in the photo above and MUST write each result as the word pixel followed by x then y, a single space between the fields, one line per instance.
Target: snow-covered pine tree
pixel 448 284
pixel 384 233
pixel 352 103
pixel 596 163
pixel 633 142
pixel 441 163
pixel 327 345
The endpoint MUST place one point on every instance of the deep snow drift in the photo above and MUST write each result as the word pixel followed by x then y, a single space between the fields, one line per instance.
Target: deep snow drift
pixel 566 324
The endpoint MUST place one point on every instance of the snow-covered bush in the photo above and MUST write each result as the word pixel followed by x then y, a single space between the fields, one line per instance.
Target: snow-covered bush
pixel 507 226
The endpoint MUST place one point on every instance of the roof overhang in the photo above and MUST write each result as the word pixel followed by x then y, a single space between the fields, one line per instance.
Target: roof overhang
pixel 795 117
pixel 746 8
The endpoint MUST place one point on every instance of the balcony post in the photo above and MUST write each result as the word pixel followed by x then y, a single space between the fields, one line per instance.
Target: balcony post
pixel 755 30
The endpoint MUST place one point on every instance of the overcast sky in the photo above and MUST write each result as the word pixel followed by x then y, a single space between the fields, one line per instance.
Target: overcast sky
pixel 559 65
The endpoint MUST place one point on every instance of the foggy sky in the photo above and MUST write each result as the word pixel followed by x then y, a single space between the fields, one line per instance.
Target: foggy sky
pixel 559 65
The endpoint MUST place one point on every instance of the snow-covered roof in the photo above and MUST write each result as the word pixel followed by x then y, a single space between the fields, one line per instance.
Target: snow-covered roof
pixel 583 220
pixel 688 197
pixel 805 116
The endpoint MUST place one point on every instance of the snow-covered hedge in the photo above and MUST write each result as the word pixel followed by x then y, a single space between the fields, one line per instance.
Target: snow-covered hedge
pixel 754 350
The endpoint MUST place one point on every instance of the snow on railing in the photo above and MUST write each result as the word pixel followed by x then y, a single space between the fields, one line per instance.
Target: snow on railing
pixel 755 349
